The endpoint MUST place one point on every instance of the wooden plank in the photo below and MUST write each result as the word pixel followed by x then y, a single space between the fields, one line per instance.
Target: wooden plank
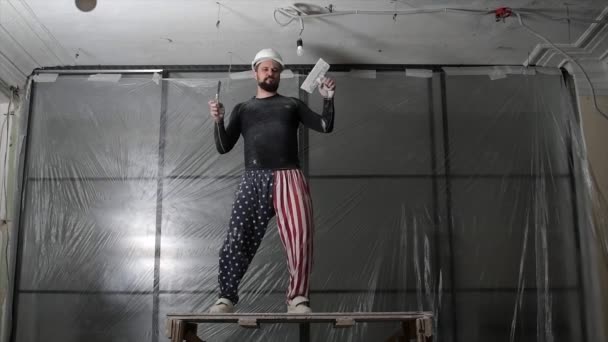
pixel 177 331
pixel 416 325
pixel 424 327
pixel 412 314
pixel 301 318
pixel 169 328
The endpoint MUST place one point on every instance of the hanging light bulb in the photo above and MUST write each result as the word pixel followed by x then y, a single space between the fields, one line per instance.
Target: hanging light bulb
pixel 86 5
pixel 300 49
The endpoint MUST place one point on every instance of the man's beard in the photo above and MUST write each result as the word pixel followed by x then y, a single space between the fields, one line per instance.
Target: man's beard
pixel 269 87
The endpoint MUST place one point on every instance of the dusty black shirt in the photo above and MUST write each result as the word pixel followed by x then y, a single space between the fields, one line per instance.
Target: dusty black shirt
pixel 270 129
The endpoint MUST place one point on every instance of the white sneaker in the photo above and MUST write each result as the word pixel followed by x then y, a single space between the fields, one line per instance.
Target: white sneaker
pixel 298 305
pixel 223 305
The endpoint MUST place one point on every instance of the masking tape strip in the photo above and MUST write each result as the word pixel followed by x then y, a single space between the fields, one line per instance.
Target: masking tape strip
pixel 105 78
pixel 45 78
pixel 421 73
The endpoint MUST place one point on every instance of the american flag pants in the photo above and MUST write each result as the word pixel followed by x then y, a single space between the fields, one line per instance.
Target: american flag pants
pixel 261 195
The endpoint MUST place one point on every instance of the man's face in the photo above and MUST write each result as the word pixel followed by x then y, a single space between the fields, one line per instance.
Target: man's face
pixel 268 75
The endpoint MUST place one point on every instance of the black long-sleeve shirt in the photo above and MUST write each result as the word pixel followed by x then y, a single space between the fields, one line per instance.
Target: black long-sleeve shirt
pixel 270 129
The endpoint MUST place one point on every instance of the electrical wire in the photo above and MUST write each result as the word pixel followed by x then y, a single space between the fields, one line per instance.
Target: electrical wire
pixel 567 19
pixel 294 14
pixel 571 59
pixel 12 65
pixel 16 41
pixel 53 38
pixel 36 33
pixel 281 10
pixel 6 122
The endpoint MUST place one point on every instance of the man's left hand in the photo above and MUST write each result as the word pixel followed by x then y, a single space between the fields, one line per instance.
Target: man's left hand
pixel 327 87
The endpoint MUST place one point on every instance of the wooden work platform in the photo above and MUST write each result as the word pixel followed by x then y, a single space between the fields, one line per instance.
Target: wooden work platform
pixel 416 326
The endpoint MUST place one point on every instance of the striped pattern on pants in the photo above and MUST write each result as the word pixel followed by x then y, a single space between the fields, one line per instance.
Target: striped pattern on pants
pixel 293 208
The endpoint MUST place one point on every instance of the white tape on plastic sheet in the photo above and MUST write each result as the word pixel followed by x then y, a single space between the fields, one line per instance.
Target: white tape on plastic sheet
pixel 528 71
pixel 243 75
pixel 105 78
pixel 497 74
pixel 514 70
pixel 156 78
pixel 45 78
pixel 548 71
pixel 420 73
pixel 467 71
pixel 287 74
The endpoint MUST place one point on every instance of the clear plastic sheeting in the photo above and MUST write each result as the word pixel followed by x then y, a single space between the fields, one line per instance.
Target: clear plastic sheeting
pixel 456 194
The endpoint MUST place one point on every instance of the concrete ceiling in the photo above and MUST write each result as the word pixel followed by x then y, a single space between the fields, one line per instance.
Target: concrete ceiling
pixel 38 33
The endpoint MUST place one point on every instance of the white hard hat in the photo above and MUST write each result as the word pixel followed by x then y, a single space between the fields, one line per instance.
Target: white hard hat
pixel 265 54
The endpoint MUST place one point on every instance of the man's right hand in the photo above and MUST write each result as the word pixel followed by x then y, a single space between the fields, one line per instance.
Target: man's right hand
pixel 216 109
